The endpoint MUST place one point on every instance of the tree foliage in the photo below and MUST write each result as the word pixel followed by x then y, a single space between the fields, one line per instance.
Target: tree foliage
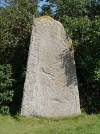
pixel 81 20
pixel 82 24
pixel 6 88
pixel 16 22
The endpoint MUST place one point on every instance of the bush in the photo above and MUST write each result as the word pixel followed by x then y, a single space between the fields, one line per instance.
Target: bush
pixel 6 88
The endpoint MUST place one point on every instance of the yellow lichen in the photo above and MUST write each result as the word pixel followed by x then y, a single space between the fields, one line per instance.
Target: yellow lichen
pixel 43 18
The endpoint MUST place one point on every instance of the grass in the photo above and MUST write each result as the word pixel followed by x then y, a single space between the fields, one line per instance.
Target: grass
pixel 84 124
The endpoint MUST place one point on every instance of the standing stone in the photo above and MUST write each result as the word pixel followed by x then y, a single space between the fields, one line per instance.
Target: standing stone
pixel 51 88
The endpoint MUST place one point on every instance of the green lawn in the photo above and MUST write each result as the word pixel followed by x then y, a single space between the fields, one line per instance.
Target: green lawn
pixel 83 124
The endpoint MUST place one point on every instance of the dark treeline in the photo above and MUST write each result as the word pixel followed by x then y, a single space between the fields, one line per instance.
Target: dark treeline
pixel 81 19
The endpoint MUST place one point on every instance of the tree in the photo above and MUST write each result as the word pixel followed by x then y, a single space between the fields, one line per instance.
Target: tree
pixel 16 22
pixel 47 7
pixel 81 23
pixel 75 15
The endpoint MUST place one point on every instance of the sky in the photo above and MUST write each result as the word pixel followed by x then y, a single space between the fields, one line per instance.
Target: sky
pixel 40 5
pixel 3 3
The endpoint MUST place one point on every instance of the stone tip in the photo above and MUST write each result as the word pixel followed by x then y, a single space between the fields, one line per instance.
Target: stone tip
pixel 45 17
pixel 42 18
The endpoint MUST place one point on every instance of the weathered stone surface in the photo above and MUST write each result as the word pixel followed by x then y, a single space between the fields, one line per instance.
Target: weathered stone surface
pixel 50 88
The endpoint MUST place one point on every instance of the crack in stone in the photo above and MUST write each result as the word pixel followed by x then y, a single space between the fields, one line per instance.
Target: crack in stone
pixel 60 101
pixel 47 73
